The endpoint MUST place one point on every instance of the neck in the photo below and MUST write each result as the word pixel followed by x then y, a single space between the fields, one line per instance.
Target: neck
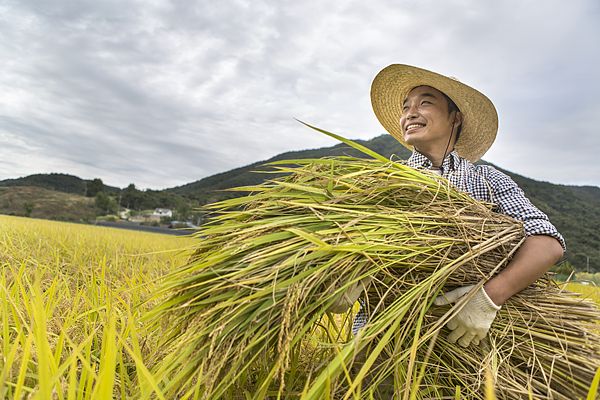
pixel 435 154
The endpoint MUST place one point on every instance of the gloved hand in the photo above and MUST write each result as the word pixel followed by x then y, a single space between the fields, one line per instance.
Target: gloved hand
pixel 473 321
pixel 343 303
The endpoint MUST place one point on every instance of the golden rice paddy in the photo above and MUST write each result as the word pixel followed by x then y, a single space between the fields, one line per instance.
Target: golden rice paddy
pixel 73 303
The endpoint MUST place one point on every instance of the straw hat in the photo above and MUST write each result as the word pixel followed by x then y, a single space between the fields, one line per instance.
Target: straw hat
pixel 480 120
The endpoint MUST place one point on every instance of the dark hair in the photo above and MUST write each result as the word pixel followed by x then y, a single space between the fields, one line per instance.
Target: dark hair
pixel 452 107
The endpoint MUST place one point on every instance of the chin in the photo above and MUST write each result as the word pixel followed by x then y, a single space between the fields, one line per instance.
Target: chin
pixel 409 141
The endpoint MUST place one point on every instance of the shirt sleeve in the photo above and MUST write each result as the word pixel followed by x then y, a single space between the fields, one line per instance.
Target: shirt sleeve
pixel 511 200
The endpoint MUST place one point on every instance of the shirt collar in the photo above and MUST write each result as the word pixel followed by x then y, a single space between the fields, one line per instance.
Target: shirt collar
pixel 418 160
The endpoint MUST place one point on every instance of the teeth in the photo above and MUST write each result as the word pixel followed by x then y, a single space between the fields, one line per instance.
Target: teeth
pixel 413 126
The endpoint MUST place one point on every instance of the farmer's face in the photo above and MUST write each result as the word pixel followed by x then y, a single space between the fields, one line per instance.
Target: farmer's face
pixel 425 119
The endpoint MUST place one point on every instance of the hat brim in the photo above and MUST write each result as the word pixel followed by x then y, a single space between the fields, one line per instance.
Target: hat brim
pixel 480 120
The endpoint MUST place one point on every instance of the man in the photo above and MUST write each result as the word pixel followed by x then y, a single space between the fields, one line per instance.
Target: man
pixel 449 126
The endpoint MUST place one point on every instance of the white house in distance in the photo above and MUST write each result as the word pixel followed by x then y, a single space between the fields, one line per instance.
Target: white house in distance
pixel 163 212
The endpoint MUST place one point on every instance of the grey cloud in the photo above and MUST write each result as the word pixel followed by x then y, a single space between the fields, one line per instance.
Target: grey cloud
pixel 132 91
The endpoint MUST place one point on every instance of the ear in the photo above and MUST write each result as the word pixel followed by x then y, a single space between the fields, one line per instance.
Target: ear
pixel 458 118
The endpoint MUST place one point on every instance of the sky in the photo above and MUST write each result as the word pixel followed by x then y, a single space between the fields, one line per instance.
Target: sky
pixel 164 93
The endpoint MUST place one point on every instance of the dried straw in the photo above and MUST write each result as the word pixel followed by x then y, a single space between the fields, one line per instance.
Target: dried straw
pixel 246 318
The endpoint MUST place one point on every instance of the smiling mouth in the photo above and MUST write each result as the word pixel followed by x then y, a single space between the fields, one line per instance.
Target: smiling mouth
pixel 413 126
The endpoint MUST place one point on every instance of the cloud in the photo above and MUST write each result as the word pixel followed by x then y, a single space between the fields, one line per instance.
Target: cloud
pixel 162 93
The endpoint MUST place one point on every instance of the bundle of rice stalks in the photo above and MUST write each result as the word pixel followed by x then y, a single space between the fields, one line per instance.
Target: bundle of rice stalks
pixel 247 318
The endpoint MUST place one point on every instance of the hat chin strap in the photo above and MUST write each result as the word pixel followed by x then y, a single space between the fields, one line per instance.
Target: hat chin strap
pixel 441 168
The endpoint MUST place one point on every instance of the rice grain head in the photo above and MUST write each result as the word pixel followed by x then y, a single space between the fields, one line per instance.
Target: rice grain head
pixel 250 306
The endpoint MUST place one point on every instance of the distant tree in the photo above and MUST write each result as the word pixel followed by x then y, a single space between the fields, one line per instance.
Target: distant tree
pixel 160 198
pixel 198 217
pixel 132 198
pixel 94 187
pixel 580 260
pixel 102 201
pixel 113 206
pixel 105 203
pixel 564 268
pixel 28 208
pixel 183 209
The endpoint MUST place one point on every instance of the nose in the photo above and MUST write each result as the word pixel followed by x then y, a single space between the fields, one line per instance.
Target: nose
pixel 411 111
pixel 408 114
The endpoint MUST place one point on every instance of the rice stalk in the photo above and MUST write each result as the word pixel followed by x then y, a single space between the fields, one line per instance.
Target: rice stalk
pixel 246 317
pixel 70 309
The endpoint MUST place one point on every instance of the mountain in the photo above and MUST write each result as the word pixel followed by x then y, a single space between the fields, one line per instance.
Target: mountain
pixel 59 182
pixel 574 210
pixel 47 204
pixel 592 191
pixel 385 145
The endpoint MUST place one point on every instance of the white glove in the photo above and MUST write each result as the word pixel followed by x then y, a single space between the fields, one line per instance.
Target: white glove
pixel 472 323
pixel 343 303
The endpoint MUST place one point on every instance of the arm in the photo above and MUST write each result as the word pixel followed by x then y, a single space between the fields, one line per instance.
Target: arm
pixel 533 259
pixel 542 248
pixel 471 324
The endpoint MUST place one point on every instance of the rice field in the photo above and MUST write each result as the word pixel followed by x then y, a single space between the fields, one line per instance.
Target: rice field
pixel 73 299
pixel 590 290
pixel 74 306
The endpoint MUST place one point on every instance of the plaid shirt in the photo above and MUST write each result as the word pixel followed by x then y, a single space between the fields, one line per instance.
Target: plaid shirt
pixel 483 182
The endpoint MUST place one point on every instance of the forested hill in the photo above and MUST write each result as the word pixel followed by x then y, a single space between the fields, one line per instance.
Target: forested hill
pixel 385 145
pixel 60 182
pixel 574 210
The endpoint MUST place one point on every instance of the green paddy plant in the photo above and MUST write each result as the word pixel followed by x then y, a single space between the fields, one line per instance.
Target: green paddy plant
pixel 71 300
pixel 248 316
